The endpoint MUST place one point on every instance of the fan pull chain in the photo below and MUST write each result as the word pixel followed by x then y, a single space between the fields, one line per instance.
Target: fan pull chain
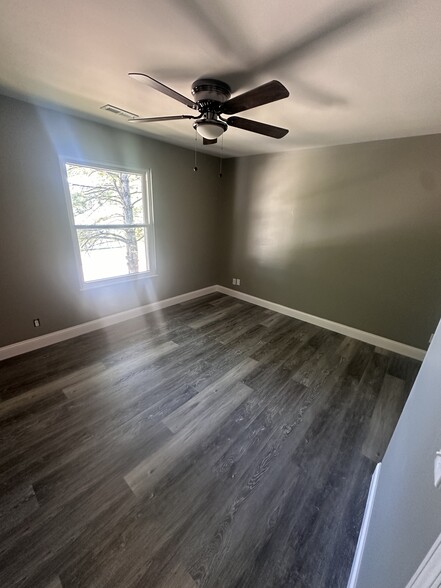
pixel 222 156
pixel 195 169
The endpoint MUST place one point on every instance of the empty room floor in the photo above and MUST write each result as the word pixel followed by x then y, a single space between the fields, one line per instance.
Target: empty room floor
pixel 213 443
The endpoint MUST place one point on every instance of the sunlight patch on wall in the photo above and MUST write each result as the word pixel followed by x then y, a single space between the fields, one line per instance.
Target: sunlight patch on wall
pixel 273 215
pixel 311 199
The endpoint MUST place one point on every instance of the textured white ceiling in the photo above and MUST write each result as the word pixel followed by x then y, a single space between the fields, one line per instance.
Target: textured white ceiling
pixel 357 70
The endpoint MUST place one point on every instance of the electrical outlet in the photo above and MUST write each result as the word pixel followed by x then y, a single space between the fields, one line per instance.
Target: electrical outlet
pixel 237 281
pixel 36 322
pixel 234 281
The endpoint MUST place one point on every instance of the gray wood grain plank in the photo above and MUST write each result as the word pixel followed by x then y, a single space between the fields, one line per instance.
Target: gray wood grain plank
pixel 178 577
pixel 54 582
pixel 145 475
pixel 210 399
pixel 121 369
pixel 16 505
pixel 214 317
pixel 23 401
pixel 387 410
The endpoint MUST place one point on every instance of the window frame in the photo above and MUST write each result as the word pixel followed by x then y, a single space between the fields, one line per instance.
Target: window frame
pixel 148 225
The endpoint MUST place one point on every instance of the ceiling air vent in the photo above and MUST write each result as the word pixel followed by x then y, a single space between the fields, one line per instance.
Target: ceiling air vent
pixel 118 111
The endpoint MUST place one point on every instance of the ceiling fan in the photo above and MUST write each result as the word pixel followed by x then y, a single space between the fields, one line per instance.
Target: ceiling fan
pixel 212 98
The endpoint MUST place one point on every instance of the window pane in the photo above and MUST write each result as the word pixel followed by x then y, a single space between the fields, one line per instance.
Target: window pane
pixel 109 253
pixel 105 197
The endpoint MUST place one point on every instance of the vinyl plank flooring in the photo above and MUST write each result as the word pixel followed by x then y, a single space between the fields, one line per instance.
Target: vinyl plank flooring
pixel 386 413
pixel 331 513
pixel 233 330
pixel 360 361
pixel 264 480
pixel 225 358
pixel 212 443
pixel 243 529
pixel 45 539
pixel 210 399
pixel 100 459
pixel 146 474
pixel 54 582
pixel 16 505
pixel 19 403
pixel 327 346
pixel 177 578
pixel 403 368
pixel 176 505
pixel 309 517
pixel 214 317
pixel 24 467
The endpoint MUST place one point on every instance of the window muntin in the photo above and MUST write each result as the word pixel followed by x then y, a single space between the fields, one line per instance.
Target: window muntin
pixel 112 222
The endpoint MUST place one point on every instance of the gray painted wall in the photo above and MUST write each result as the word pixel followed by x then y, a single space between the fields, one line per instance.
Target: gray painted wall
pixel 349 233
pixel 406 518
pixel 38 275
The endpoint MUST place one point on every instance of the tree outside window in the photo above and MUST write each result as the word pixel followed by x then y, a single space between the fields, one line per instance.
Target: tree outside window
pixel 112 218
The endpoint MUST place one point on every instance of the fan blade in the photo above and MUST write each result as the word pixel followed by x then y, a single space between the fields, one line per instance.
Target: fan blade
pixel 256 127
pixel 217 23
pixel 145 79
pixel 269 92
pixel 209 141
pixel 160 118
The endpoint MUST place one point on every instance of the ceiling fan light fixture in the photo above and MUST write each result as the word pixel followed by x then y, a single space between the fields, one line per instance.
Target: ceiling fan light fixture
pixel 210 129
pixel 212 100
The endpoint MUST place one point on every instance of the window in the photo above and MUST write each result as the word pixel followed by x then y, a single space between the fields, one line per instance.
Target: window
pixel 112 218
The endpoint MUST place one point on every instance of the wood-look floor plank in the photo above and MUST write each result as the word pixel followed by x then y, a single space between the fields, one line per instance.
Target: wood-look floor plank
pixel 213 317
pixel 244 528
pixel 54 582
pixel 20 402
pixel 212 298
pixel 360 361
pixel 101 459
pixel 46 539
pixel 223 358
pixel 233 329
pixel 329 510
pixel 295 537
pixel 211 399
pixel 187 528
pixel 146 474
pixel 387 411
pixel 178 577
pixel 16 505
pixel 23 468
pixel 122 369
pixel 265 459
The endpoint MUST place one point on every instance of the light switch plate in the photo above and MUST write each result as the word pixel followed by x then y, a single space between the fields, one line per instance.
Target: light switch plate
pixel 437 469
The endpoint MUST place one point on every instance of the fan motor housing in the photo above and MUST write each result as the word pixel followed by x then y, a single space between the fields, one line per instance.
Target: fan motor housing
pixel 209 89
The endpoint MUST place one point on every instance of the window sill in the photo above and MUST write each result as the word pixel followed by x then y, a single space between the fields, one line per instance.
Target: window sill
pixel 105 282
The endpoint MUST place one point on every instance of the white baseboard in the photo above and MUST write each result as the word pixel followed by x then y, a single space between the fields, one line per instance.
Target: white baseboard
pixel 353 578
pixel 370 338
pixel 106 321
pixel 62 335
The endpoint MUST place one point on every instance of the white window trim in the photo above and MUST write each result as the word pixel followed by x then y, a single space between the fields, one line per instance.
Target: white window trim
pixel 148 208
